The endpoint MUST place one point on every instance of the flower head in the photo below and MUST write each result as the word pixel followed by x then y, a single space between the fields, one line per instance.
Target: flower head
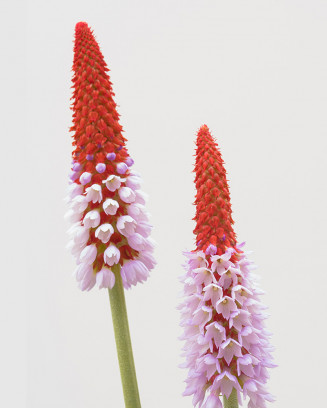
pixel 227 346
pixel 105 199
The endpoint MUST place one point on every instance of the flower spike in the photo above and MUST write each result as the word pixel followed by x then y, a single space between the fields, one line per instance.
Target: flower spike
pixel 227 349
pixel 110 222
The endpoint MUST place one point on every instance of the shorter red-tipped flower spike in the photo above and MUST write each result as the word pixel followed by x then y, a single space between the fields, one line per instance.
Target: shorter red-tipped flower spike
pixel 110 222
pixel 227 349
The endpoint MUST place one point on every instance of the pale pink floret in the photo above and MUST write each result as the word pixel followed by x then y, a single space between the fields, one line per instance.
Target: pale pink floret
pixel 213 292
pixel 113 182
pixel 240 293
pixel 88 280
pixel 229 349
pixel 245 365
pixel 138 212
pixel 88 254
pixel 126 225
pixel 127 195
pixel 213 401
pixel 143 228
pixel 239 318
pixel 81 270
pixel 229 277
pixel 148 259
pixel 137 242
pixel 134 271
pixel 104 232
pixel 111 255
pixel 81 235
pixel 79 203
pixel 202 316
pixel 209 364
pixel 92 219
pixel 226 306
pixel 105 278
pixel 72 216
pixel 121 168
pixel 221 262
pixel 73 191
pixel 85 178
pixel 94 193
pixel 140 197
pixel 110 206
pixel 133 182
pixel 197 259
pixel 225 382
pixel 215 334
pixel 203 276
pixel 247 337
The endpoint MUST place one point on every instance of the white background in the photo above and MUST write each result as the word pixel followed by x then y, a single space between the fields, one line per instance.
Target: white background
pixel 256 73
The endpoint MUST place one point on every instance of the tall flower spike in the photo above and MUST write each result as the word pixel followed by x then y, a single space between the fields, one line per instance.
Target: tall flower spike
pixel 110 222
pixel 227 350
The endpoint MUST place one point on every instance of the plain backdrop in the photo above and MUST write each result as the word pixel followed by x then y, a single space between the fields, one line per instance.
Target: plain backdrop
pixel 256 73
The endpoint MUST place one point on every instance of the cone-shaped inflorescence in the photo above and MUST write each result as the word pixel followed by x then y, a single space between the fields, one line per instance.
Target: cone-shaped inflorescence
pixel 106 204
pixel 227 350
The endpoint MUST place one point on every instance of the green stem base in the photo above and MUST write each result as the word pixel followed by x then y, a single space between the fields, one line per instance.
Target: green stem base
pixel 231 402
pixel 123 342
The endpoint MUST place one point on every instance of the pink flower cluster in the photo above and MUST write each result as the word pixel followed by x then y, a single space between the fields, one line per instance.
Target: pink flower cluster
pixel 110 227
pixel 226 344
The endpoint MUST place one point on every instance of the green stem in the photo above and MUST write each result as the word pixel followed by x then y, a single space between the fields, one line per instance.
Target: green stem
pixel 123 342
pixel 231 402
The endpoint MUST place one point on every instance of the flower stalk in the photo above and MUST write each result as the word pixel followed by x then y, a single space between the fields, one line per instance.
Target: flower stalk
pixel 123 342
pixel 231 402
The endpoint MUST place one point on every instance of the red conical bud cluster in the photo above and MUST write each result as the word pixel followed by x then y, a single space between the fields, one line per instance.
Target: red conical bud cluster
pixel 96 128
pixel 214 223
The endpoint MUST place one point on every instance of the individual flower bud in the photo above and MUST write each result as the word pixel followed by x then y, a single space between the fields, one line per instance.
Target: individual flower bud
pixel 88 254
pixel 133 182
pixel 137 242
pixel 126 225
pixel 94 193
pixel 104 232
pixel 141 198
pixel 111 255
pixel 100 168
pixel 138 212
pixel 73 191
pixel 79 204
pixel 110 206
pixel 111 156
pixel 81 235
pixel 92 219
pixel 126 194
pixel 122 168
pixel 105 278
pixel 72 216
pixel 113 182
pixel 85 178
pixel 129 161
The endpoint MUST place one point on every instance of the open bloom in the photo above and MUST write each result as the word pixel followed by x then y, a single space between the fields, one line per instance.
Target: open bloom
pixel 227 347
pixel 107 207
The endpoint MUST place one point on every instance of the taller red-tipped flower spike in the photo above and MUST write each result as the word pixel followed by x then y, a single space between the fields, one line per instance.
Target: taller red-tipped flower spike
pixel 227 347
pixel 106 204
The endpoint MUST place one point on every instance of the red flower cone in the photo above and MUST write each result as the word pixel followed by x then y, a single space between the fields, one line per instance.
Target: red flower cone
pixel 227 350
pixel 111 224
